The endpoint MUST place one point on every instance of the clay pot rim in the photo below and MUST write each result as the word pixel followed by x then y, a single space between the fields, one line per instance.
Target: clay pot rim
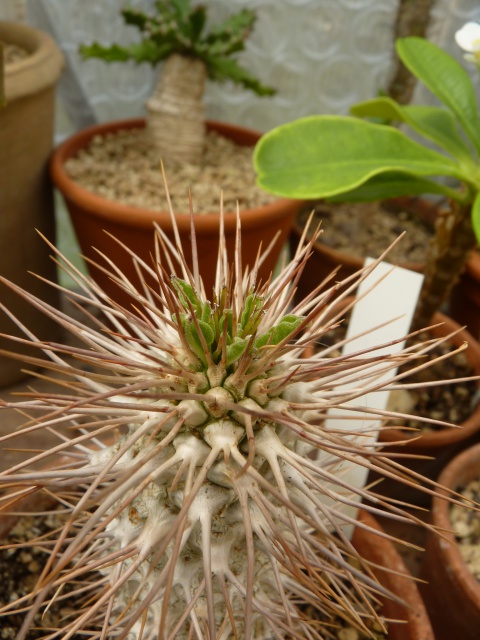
pixel 401 582
pixel 424 207
pixel 37 71
pixel 458 471
pixel 130 216
pixel 446 436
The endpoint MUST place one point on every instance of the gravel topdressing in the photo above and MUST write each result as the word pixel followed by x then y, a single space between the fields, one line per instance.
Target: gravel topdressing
pixel 124 167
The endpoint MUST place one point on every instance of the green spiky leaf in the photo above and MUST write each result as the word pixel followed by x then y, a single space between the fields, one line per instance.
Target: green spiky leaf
pixel 222 69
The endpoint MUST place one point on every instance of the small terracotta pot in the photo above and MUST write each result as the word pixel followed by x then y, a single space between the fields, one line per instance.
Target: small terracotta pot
pixel 439 446
pixel 325 259
pixel 416 625
pixel 91 215
pixel 390 571
pixel 452 594
pixel 443 444
pixel 465 298
pixel 26 193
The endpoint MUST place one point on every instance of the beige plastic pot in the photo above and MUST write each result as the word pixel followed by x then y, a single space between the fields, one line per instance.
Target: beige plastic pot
pixel 26 194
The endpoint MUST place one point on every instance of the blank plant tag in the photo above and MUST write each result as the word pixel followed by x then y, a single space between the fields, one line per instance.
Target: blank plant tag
pixel 391 295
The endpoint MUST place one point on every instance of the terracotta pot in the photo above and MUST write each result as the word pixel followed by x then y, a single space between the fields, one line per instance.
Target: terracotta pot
pixel 382 552
pixel 325 259
pixel 452 594
pixel 92 214
pixel 26 194
pixel 440 445
pixel 465 299
pixel 410 610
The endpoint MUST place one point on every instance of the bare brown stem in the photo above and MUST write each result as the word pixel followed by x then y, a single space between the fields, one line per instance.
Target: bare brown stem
pixel 447 256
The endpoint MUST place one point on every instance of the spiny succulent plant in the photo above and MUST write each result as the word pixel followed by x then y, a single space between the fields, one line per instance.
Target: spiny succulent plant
pixel 203 494
pixel 176 33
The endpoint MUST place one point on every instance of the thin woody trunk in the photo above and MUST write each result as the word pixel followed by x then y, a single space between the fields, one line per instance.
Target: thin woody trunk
pixel 448 253
pixel 2 77
pixel 176 120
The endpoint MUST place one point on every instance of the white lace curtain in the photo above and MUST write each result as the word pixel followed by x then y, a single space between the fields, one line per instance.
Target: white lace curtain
pixel 321 55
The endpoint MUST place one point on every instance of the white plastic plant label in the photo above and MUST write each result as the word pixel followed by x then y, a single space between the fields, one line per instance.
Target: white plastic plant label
pixel 390 299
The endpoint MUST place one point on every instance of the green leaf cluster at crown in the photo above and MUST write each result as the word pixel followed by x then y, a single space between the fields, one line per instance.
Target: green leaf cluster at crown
pixel 333 156
pixel 214 329
pixel 176 27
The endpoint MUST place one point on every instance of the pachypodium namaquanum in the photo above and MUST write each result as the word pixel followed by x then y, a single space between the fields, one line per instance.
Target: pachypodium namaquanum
pixel 202 492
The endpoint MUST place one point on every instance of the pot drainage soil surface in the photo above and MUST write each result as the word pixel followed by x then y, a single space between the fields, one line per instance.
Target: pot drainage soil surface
pixel 124 167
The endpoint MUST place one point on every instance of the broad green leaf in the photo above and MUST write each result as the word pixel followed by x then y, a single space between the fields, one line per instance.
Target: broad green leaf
pixel 445 78
pixel 476 217
pixel 434 123
pixel 392 185
pixel 322 156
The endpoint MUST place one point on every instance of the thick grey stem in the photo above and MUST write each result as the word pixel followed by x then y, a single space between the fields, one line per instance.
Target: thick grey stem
pixel 175 111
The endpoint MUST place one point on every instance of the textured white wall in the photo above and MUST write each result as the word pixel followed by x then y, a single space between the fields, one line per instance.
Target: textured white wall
pixel 321 55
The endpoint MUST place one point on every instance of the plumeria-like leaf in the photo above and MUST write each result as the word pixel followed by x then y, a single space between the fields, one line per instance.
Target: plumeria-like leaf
pixel 434 123
pixel 322 156
pixel 445 78
pixel 476 217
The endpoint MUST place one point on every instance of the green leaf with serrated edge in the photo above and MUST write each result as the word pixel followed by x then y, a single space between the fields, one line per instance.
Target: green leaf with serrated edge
pixel 476 217
pixel 221 69
pixel 445 78
pixel 145 51
pixel 134 18
pixel 434 123
pixel 235 350
pixel 236 25
pixel 322 156
pixel 197 22
pixel 392 185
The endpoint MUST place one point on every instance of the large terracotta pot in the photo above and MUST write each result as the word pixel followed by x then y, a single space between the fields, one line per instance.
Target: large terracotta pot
pixel 92 214
pixel 452 594
pixel 388 566
pixel 26 194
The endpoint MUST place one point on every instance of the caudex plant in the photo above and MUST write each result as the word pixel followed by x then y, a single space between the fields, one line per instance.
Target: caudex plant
pixel 177 35
pixel 347 158
pixel 203 495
